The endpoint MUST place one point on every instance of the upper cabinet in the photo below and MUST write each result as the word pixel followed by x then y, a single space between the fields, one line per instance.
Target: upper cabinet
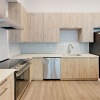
pixel 36 34
pixel 44 27
pixel 81 21
pixel 51 27
pixel 5 22
pixel 70 20
pixel 96 23
pixel 3 7
pixel 18 14
pixel 24 23
pixel 86 34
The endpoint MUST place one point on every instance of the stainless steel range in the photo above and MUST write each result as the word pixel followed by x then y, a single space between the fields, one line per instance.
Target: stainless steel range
pixel 22 74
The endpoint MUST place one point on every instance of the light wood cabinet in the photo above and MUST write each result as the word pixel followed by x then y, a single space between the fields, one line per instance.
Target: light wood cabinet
pixel 44 27
pixel 86 34
pixel 70 20
pixel 3 7
pixel 36 34
pixel 37 68
pixel 79 68
pixel 18 14
pixel 31 70
pixel 92 68
pixel 7 90
pixel 24 24
pixel 51 27
pixel 72 68
pixel 96 20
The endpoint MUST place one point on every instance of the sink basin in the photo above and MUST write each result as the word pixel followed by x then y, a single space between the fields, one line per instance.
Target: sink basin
pixel 71 54
pixel 74 55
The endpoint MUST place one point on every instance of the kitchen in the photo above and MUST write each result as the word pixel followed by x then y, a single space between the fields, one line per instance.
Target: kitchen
pixel 47 50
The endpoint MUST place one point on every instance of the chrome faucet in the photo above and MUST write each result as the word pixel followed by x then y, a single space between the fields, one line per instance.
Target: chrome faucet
pixel 69 48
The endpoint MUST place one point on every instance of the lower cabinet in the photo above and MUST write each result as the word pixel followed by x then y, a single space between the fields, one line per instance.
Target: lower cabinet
pixel 31 70
pixel 79 68
pixel 7 91
pixel 37 69
pixel 92 68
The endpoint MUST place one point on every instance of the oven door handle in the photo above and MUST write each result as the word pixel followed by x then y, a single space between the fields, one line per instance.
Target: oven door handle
pixel 20 72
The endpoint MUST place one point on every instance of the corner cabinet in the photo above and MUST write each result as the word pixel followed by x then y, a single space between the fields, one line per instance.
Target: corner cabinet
pixel 18 14
pixel 79 68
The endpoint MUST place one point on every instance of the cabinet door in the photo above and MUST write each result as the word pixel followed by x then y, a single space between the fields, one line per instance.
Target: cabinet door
pixel 3 7
pixel 18 14
pixel 81 68
pixel 92 69
pixel 32 70
pixel 7 93
pixel 51 27
pixel 70 20
pixel 86 34
pixel 36 28
pixel 65 20
pixel 24 24
pixel 38 69
pixel 69 69
pixel 96 20
pixel 14 13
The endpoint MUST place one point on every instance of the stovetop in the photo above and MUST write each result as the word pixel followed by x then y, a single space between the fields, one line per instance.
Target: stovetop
pixel 12 63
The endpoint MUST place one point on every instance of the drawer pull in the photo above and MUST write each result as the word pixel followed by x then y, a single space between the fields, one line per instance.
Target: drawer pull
pixel 3 91
pixel 3 82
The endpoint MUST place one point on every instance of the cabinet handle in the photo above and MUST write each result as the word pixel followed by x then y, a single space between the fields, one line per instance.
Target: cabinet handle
pixel 3 91
pixel 3 82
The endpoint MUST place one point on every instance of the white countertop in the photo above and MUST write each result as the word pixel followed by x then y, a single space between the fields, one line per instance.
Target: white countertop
pixel 24 56
pixel 4 73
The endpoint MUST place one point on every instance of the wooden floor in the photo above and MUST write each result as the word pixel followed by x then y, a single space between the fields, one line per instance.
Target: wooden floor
pixel 63 90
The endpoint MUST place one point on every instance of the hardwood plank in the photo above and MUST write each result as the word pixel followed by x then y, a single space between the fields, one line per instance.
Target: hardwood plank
pixel 63 90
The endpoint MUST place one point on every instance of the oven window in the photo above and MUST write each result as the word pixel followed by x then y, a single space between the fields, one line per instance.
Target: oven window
pixel 22 82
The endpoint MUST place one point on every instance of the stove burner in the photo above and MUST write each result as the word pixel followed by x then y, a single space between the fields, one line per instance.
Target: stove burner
pixel 24 61
pixel 13 63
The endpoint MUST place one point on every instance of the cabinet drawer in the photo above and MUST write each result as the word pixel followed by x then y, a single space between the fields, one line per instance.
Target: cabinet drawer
pixel 6 81
pixel 3 91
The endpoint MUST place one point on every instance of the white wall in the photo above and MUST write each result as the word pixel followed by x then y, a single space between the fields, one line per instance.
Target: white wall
pixel 4 48
pixel 66 37
pixel 61 5
pixel 14 49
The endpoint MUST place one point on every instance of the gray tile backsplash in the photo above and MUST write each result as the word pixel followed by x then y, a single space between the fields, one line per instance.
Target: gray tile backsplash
pixel 66 37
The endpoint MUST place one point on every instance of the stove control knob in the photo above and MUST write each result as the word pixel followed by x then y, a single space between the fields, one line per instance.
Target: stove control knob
pixel 16 67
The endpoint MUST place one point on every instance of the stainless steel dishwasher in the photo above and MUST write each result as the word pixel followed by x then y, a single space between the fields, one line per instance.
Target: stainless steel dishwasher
pixel 51 68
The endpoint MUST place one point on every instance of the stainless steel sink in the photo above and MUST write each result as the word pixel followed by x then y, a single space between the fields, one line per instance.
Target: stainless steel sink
pixel 74 54
pixel 71 55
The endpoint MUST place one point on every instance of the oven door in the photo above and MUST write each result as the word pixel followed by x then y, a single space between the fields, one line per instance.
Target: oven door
pixel 22 81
